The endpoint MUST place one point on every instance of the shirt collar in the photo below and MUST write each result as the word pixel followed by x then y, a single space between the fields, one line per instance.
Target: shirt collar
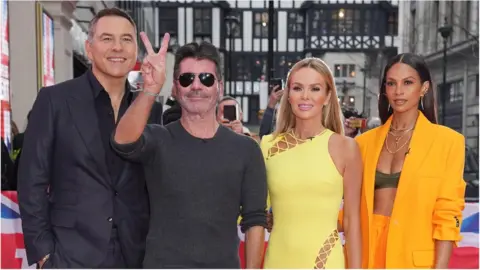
pixel 97 88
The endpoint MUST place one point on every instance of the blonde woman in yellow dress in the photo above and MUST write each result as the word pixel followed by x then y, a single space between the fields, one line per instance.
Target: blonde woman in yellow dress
pixel 310 167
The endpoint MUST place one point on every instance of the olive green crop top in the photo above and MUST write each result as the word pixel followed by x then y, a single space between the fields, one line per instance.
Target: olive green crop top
pixel 383 180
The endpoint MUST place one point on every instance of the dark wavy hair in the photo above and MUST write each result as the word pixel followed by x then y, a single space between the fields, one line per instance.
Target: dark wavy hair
pixel 429 100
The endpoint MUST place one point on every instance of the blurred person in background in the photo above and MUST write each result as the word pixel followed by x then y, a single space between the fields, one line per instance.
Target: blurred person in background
pixel 83 206
pixel 7 170
pixel 234 124
pixel 350 116
pixel 173 113
pixel 311 166
pixel 372 122
pixel 18 140
pixel 413 187
pixel 17 152
pixel 267 125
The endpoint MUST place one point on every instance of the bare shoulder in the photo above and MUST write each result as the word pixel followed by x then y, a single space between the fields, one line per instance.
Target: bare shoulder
pixel 343 150
pixel 345 145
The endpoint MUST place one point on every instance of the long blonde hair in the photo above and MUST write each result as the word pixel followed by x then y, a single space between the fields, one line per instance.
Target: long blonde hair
pixel 331 113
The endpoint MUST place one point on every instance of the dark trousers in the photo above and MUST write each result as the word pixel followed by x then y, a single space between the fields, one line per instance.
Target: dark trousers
pixel 114 258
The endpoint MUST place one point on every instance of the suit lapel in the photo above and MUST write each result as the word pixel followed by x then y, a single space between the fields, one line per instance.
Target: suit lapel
pixel 82 108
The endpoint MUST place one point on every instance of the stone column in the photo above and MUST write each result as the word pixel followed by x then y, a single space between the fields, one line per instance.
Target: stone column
pixel 23 59
pixel 62 12
pixel 23 51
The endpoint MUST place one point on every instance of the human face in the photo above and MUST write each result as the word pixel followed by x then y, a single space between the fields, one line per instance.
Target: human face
pixel 197 98
pixel 113 48
pixel 308 94
pixel 228 103
pixel 404 88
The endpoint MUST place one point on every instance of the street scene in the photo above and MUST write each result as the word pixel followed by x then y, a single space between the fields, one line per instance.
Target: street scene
pixel 373 57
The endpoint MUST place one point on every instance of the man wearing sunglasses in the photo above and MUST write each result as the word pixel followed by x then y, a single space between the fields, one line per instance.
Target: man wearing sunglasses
pixel 200 174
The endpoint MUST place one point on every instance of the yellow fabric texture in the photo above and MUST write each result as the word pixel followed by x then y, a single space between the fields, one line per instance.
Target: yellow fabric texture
pixel 305 191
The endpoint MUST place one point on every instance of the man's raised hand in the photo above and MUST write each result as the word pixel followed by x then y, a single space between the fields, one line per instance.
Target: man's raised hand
pixel 154 64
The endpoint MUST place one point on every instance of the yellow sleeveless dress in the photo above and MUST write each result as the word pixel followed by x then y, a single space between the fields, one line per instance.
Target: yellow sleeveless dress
pixel 305 191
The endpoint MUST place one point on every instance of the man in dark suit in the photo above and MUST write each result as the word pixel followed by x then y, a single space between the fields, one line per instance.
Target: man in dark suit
pixel 82 206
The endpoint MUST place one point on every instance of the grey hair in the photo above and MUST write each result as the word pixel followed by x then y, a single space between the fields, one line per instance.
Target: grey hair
pixel 204 50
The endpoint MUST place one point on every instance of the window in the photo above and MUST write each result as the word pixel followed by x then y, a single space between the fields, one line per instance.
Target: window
pixel 455 92
pixel 392 28
pixel 351 71
pixel 283 64
pixel 319 22
pixel 467 27
pixel 237 28
pixel 167 21
pixel 345 70
pixel 241 69
pixel 259 70
pixel 295 25
pixel 202 22
pixel 371 18
pixel 472 90
pixel 260 25
pixel 476 89
pixel 345 21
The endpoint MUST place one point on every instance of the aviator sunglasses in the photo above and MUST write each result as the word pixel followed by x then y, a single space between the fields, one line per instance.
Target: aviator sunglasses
pixel 186 79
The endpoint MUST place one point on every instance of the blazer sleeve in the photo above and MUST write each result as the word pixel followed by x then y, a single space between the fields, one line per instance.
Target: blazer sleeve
pixel 34 179
pixel 450 201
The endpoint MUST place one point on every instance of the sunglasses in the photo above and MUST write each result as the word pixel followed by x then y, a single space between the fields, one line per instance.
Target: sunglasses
pixel 186 79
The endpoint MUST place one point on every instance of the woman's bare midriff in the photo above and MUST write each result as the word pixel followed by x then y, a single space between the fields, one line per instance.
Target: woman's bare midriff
pixel 383 201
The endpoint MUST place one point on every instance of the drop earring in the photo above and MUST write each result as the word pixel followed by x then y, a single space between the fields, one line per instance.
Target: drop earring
pixel 388 107
pixel 421 102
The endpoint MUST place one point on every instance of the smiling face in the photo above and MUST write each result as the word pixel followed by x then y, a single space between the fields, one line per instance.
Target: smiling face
pixel 308 94
pixel 404 88
pixel 113 47
pixel 197 97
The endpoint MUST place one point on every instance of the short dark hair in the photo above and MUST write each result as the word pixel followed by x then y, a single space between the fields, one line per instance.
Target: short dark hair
pixel 429 101
pixel 105 13
pixel 204 50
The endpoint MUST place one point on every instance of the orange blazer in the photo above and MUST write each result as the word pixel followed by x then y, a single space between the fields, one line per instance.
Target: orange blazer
pixel 430 196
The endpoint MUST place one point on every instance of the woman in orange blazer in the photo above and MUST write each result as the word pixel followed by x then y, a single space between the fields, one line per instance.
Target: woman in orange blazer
pixel 413 187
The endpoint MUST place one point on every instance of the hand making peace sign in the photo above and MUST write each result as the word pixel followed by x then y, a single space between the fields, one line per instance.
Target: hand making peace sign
pixel 153 66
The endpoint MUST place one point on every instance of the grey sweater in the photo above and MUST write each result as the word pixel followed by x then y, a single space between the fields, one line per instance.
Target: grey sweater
pixel 197 189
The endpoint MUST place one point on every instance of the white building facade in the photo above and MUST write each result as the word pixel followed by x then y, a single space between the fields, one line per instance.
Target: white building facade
pixel 419 22
pixel 37 29
pixel 345 34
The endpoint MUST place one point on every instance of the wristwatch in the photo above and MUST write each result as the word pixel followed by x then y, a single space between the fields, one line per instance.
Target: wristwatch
pixel 43 260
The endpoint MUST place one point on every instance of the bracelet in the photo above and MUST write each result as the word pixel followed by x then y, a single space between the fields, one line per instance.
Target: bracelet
pixel 150 93
pixel 145 92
